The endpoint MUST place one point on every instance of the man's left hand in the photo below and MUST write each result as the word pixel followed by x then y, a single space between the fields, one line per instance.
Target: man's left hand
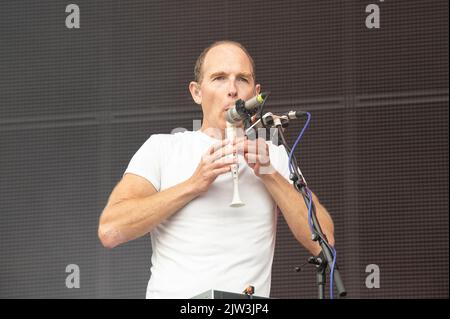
pixel 256 154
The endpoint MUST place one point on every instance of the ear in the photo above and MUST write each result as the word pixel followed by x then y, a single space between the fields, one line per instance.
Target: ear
pixel 257 88
pixel 196 92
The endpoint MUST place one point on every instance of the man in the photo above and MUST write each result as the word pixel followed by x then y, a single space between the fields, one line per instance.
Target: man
pixel 178 188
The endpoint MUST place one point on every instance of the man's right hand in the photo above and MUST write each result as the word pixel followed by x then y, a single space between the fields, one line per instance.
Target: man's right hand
pixel 213 163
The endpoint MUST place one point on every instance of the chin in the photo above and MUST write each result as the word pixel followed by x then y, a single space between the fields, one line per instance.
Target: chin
pixel 238 124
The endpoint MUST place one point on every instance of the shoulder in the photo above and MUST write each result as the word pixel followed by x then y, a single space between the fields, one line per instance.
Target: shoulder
pixel 170 141
pixel 278 149
pixel 278 156
pixel 170 138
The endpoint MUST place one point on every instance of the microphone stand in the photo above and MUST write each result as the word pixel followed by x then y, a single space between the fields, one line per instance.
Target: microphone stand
pixel 325 257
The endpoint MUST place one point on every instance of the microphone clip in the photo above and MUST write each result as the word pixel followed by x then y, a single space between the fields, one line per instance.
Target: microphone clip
pixel 242 111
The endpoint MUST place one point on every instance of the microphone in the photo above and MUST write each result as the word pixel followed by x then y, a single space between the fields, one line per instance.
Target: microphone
pixel 243 109
pixel 270 120
pixel 293 115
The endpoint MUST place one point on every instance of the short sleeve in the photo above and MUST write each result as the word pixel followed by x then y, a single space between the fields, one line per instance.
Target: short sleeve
pixel 146 162
pixel 280 161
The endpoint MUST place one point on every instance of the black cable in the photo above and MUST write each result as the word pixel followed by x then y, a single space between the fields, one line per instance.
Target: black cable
pixel 318 232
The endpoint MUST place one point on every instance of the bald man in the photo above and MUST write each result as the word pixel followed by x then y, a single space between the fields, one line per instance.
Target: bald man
pixel 178 187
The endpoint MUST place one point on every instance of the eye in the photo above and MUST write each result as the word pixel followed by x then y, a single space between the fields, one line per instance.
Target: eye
pixel 219 78
pixel 243 79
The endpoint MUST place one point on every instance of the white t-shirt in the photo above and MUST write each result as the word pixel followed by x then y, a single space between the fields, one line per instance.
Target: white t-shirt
pixel 208 244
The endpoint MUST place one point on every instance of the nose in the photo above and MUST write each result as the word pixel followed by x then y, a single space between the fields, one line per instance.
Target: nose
pixel 232 90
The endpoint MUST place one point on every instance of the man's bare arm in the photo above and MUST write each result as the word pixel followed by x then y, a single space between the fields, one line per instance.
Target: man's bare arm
pixel 295 211
pixel 290 202
pixel 135 207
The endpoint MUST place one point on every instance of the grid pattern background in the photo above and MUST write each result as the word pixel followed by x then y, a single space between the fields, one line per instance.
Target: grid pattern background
pixel 76 104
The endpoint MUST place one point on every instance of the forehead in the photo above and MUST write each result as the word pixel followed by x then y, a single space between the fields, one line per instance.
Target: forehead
pixel 227 58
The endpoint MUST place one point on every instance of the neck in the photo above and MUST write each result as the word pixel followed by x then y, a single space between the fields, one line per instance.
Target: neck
pixel 214 132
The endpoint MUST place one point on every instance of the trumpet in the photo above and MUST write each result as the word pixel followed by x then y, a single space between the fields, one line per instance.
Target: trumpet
pixel 230 133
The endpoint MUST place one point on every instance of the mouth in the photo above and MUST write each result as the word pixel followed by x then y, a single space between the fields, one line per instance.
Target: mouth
pixel 230 105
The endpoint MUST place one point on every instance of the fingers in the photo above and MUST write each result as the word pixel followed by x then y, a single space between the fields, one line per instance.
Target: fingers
pixel 217 160
pixel 220 150
pixel 222 170
pixel 217 146
pixel 224 162
pixel 256 152
pixel 257 158
pixel 222 166
pixel 258 146
pixel 216 151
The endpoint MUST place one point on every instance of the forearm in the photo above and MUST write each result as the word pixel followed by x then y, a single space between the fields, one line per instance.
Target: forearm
pixel 132 218
pixel 295 211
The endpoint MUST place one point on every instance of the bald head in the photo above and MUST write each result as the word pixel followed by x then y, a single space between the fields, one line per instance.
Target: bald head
pixel 199 65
